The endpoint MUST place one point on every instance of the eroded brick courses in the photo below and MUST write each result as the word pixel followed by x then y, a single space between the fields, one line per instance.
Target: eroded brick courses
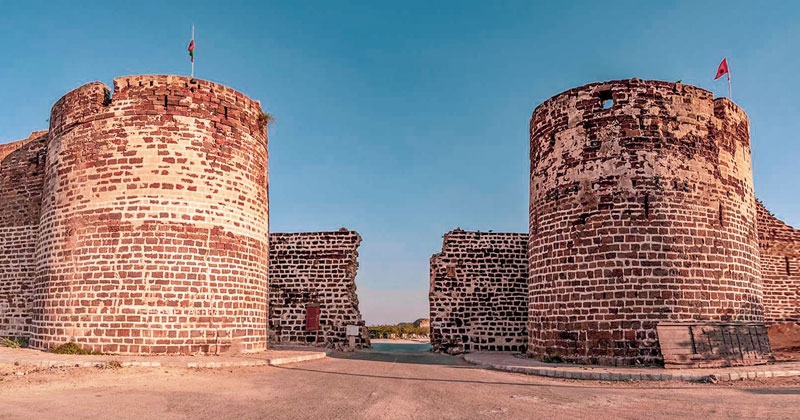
pixel 154 220
pixel 641 210
pixel 479 293
pixel 780 266
pixel 314 268
pixel 22 166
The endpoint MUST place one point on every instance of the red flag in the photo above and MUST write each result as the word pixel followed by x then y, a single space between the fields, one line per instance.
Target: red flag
pixel 723 69
pixel 191 51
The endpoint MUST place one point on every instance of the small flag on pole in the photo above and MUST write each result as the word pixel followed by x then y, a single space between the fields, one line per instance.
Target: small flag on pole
pixel 723 70
pixel 191 51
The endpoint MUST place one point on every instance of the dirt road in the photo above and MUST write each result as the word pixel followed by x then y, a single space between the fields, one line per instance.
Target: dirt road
pixel 370 386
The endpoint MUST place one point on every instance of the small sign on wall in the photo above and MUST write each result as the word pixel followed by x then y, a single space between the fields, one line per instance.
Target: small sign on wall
pixel 353 330
pixel 312 317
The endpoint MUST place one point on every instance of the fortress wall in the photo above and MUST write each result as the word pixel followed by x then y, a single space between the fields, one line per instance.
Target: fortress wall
pixel 780 265
pixel 640 212
pixel 21 176
pixel 479 292
pixel 154 221
pixel 314 268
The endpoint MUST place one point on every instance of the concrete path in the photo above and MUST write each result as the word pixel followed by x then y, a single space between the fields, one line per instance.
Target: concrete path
pixel 29 357
pixel 510 363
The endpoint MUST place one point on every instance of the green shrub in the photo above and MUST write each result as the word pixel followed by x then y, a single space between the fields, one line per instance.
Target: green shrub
pixel 553 358
pixel 14 342
pixel 7 342
pixel 71 348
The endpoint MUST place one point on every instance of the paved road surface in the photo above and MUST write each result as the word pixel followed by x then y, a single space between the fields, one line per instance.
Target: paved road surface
pixel 373 386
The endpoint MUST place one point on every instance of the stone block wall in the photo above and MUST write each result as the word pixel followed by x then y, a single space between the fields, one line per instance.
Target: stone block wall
pixel 314 268
pixel 479 292
pixel 780 267
pixel 641 210
pixel 22 166
pixel 153 235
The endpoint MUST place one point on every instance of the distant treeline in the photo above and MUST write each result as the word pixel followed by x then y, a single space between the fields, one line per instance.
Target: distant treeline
pixel 398 331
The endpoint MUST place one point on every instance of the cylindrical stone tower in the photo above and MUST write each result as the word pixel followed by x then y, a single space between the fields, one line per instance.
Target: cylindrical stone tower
pixel 641 210
pixel 154 222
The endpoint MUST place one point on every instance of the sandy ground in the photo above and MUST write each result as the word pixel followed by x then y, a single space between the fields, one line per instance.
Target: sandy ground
pixel 352 386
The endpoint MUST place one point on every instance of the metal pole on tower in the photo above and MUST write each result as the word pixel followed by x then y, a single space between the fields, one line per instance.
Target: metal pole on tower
pixel 730 96
pixel 193 56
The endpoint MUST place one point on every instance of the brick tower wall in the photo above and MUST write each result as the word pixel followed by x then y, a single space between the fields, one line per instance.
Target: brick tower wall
pixel 780 266
pixel 21 174
pixel 479 292
pixel 154 220
pixel 314 268
pixel 639 213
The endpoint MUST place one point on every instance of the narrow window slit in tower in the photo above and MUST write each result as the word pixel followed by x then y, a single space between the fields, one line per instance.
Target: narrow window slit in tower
pixel 552 139
pixel 151 83
pixel 606 99
pixel 106 96
pixel 226 112
pixel 788 273
pixel 719 212
pixel 647 206
pixel 165 101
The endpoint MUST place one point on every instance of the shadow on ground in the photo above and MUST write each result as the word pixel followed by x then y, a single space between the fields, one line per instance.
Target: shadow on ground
pixel 417 358
pixel 774 391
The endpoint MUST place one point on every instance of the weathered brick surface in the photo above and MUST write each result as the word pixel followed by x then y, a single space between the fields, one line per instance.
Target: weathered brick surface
pixel 154 220
pixel 479 292
pixel 21 173
pixel 314 268
pixel 780 266
pixel 639 213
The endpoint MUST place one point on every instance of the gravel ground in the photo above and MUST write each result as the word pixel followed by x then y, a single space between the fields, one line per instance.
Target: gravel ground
pixel 373 386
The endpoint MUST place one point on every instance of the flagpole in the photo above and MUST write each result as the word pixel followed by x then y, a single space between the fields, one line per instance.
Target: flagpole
pixel 729 81
pixel 730 96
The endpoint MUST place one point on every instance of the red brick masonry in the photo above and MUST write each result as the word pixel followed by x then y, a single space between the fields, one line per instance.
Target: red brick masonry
pixel 640 211
pixel 314 268
pixel 780 266
pixel 22 166
pixel 479 292
pixel 153 229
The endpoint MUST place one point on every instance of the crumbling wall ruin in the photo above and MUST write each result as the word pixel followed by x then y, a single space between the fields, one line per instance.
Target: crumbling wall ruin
pixel 780 267
pixel 479 293
pixel 315 269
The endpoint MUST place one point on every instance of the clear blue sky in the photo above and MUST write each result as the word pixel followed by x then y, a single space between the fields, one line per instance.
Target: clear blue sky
pixel 403 120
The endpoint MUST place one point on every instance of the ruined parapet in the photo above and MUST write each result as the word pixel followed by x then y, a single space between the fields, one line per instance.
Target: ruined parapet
pixel 21 175
pixel 315 270
pixel 479 293
pixel 780 267
pixel 154 221
pixel 641 210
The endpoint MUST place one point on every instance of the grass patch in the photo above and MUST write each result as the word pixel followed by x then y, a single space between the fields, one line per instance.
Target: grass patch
pixel 265 119
pixel 553 358
pixel 14 342
pixel 7 342
pixel 72 348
